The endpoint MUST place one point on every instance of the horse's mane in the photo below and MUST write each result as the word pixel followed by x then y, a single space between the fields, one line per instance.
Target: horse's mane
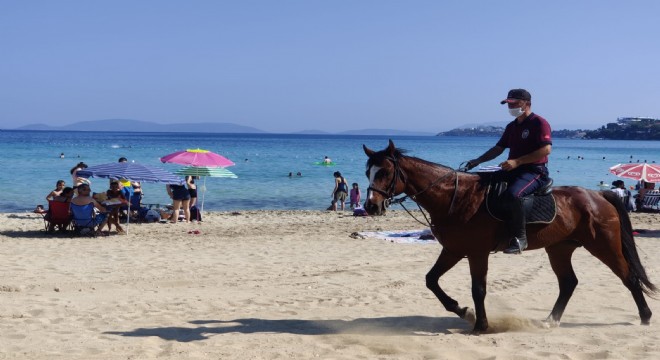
pixel 382 155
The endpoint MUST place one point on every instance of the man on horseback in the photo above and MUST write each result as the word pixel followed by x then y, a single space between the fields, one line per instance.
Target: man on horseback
pixel 529 140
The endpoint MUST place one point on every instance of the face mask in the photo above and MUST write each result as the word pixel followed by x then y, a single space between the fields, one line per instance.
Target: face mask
pixel 516 112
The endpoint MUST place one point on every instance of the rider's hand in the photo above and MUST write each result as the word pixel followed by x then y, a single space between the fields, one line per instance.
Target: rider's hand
pixel 471 164
pixel 509 165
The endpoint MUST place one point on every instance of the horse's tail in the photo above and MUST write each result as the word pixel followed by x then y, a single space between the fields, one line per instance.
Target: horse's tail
pixel 637 275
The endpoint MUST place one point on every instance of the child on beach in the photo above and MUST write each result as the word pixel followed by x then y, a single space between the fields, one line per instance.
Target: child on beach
pixel 355 196
pixel 59 186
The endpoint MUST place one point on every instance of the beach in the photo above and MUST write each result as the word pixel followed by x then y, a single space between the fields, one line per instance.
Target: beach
pixel 298 284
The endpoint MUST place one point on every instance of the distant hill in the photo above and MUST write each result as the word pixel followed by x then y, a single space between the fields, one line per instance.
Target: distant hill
pixel 127 125
pixel 385 132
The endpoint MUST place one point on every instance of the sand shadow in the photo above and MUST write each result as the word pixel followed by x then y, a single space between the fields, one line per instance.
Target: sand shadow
pixel 387 326
pixel 31 234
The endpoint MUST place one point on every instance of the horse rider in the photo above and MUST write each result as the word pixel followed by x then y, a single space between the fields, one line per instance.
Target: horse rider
pixel 529 140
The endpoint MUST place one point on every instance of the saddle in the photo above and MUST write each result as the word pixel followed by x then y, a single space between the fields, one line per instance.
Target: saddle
pixel 540 207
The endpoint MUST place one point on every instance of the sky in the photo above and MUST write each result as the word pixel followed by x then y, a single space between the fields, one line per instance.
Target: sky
pixel 288 66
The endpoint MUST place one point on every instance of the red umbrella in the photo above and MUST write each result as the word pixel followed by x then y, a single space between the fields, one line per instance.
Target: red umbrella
pixel 197 157
pixel 637 171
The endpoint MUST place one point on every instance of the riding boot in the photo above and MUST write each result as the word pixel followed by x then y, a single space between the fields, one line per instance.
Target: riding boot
pixel 516 225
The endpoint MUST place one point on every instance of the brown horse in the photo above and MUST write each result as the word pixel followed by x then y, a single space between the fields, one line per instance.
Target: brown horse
pixel 454 200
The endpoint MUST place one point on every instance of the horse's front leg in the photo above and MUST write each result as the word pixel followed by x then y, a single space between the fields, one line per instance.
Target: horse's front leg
pixel 478 271
pixel 445 262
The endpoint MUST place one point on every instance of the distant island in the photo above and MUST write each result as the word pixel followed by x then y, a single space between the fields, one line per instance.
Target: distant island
pixel 128 125
pixel 626 128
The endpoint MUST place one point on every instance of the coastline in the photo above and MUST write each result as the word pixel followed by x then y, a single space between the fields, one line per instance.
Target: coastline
pixel 295 284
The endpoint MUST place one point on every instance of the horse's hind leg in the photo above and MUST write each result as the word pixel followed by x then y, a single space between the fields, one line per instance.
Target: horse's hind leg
pixel 611 255
pixel 560 260
pixel 445 262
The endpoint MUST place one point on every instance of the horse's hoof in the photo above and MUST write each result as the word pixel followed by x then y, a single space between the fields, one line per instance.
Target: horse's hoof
pixel 469 316
pixel 646 322
pixel 550 323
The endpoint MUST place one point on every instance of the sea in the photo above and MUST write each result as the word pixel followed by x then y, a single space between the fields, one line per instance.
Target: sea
pixel 31 163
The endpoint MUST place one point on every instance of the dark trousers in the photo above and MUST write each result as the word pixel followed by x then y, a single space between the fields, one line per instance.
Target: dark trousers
pixel 523 180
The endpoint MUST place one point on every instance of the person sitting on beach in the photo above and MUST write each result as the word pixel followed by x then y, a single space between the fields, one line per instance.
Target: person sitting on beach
pixel 85 198
pixel 116 197
pixel 340 191
pixel 619 187
pixel 65 196
pixel 59 186
pixel 644 187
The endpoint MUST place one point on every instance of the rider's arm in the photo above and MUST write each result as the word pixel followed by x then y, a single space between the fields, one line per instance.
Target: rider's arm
pixel 527 159
pixel 491 154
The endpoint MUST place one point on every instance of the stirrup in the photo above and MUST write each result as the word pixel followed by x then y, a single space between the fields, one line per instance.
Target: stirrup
pixel 516 246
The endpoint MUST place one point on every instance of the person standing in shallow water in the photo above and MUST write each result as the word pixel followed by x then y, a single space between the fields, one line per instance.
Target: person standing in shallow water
pixel 529 140
pixel 340 191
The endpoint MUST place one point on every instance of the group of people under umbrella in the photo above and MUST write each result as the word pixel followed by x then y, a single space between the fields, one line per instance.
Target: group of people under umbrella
pixel 197 162
pixel 647 175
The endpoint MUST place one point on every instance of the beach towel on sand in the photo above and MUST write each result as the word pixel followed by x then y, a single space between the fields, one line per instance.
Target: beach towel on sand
pixel 400 237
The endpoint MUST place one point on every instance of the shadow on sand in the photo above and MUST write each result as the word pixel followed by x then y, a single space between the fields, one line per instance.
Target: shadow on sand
pixel 405 325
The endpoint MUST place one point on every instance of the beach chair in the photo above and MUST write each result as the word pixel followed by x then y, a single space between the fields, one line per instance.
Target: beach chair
pixel 58 216
pixel 650 202
pixel 138 211
pixel 85 220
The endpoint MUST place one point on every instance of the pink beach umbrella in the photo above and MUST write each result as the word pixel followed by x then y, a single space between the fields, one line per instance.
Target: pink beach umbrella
pixel 637 171
pixel 197 157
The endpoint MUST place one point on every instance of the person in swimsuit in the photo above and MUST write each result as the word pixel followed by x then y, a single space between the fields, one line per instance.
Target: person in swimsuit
pixel 74 175
pixel 180 198
pixel 59 186
pixel 192 189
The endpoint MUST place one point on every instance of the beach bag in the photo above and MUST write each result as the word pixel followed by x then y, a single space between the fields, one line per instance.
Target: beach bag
pixel 195 214
pixel 360 212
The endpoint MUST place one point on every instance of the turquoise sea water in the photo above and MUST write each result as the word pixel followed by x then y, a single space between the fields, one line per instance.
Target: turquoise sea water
pixel 31 164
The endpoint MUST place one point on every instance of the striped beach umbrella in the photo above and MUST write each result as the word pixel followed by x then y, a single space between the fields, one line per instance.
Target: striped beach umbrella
pixel 205 171
pixel 131 171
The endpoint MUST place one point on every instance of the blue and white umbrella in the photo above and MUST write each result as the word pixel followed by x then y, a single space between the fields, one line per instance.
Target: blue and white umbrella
pixel 132 172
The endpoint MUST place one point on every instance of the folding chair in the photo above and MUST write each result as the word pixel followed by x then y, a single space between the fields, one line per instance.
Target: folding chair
pixel 84 219
pixel 650 202
pixel 58 216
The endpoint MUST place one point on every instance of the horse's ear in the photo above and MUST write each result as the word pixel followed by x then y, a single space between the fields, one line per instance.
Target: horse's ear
pixel 368 151
pixel 391 148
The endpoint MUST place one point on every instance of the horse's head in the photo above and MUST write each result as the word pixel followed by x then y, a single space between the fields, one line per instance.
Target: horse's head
pixel 385 178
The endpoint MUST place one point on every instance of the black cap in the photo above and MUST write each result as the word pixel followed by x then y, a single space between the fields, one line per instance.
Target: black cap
pixel 517 94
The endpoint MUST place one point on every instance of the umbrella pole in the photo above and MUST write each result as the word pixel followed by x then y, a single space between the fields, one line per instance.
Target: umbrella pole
pixel 203 193
pixel 128 216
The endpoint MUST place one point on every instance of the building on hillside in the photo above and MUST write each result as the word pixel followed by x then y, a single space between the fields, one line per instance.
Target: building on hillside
pixel 623 121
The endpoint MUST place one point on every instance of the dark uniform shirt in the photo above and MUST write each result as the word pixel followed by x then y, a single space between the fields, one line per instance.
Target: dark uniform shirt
pixel 524 138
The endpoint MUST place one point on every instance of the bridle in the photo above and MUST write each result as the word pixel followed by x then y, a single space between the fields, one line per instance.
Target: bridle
pixel 400 175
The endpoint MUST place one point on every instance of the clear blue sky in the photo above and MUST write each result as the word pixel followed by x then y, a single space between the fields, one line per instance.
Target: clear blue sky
pixel 285 66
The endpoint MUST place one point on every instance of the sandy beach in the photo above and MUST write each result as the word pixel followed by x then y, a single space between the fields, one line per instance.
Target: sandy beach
pixel 296 285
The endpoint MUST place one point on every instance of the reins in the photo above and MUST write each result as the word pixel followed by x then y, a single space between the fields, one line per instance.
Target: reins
pixel 398 174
